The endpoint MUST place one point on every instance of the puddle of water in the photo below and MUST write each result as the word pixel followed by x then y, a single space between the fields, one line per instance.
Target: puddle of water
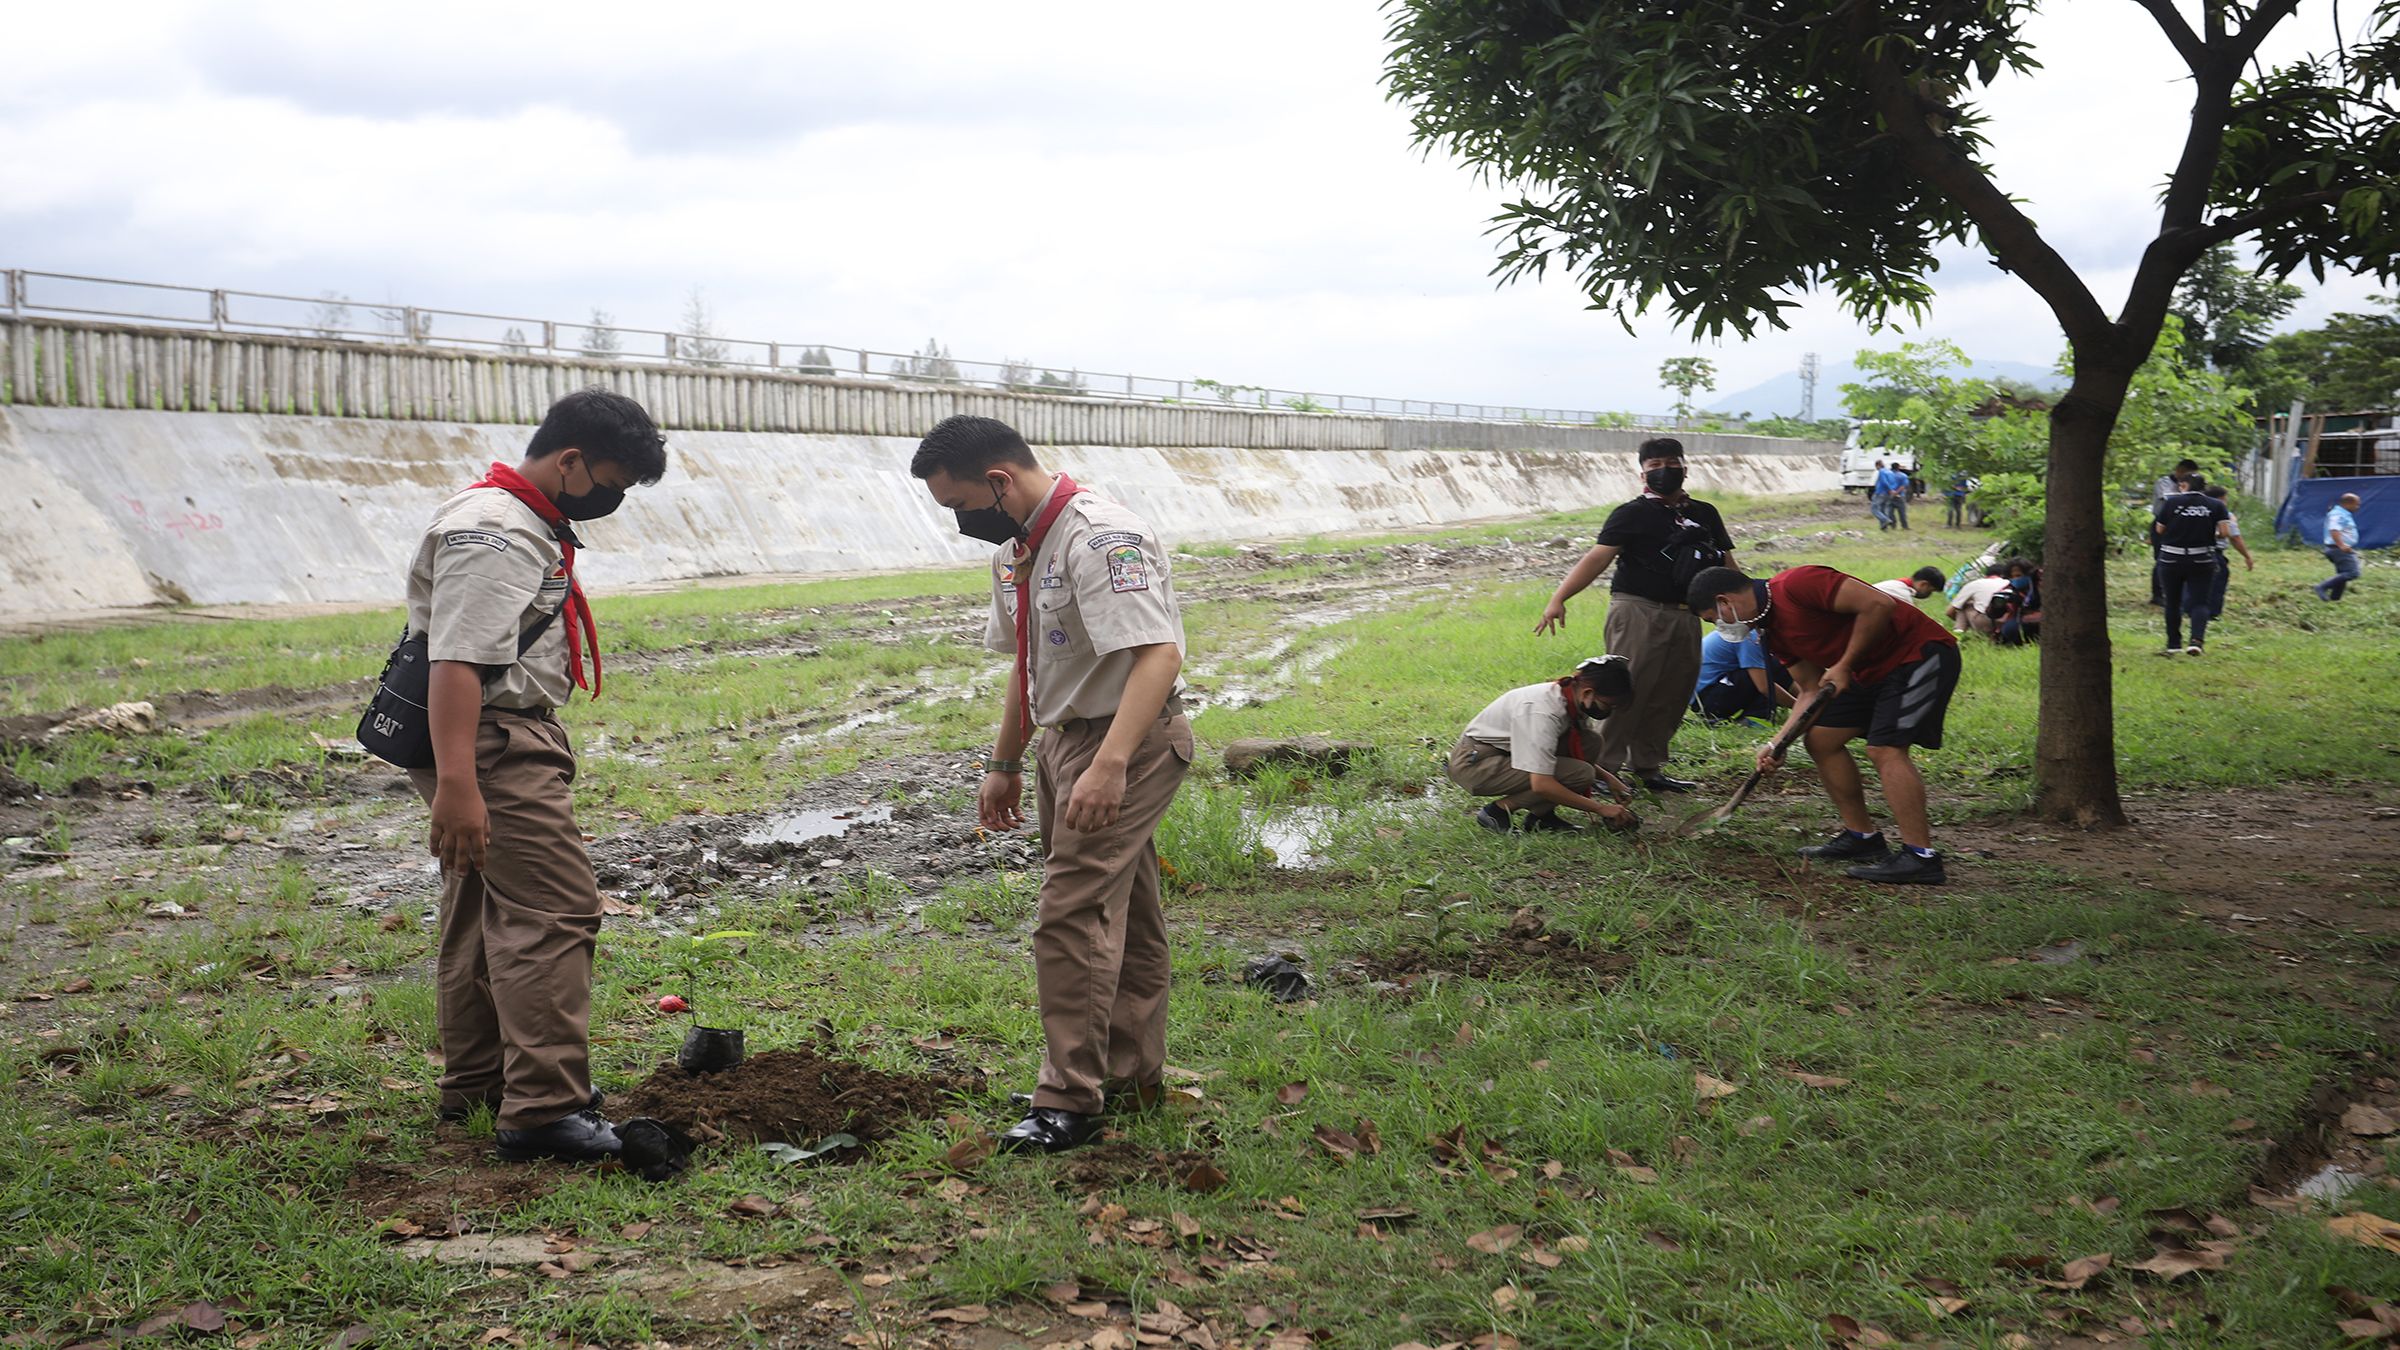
pixel 2330 1183
pixel 1300 836
pixel 1292 833
pixel 840 729
pixel 801 827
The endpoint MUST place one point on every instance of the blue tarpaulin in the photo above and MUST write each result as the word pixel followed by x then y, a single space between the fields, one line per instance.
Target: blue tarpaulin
pixel 2378 509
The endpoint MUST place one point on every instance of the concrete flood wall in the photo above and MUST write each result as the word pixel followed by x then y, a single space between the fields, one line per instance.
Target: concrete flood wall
pixel 124 508
pixel 163 465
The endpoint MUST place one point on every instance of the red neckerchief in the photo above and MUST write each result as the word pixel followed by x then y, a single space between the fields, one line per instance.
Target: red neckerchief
pixel 1061 492
pixel 1566 689
pixel 577 609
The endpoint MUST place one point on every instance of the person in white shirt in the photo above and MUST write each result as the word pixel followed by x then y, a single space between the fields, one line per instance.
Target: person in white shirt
pixel 1917 585
pixel 1967 612
pixel 1531 750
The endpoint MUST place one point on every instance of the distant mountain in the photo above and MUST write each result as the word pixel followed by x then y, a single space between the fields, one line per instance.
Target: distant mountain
pixel 1780 397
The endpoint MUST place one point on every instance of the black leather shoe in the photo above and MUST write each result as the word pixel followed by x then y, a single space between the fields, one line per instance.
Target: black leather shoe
pixel 1845 846
pixel 585 1136
pixel 1659 782
pixel 1047 1130
pixel 1904 868
pixel 459 1115
pixel 1492 818
pixel 1549 821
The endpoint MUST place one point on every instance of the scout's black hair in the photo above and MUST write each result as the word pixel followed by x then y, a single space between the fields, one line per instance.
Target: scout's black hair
pixel 1658 447
pixel 2195 483
pixel 1609 677
pixel 963 447
pixel 1931 576
pixel 1711 583
pixel 2215 490
pixel 2186 465
pixel 608 428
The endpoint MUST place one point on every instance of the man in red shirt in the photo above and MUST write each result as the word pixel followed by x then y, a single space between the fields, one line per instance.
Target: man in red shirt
pixel 1892 668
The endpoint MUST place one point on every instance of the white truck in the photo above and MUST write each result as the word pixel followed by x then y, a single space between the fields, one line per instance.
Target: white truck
pixel 1887 442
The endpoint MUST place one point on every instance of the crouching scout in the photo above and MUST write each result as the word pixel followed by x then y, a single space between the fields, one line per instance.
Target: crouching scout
pixel 1532 750
pixel 493 592
pixel 1082 597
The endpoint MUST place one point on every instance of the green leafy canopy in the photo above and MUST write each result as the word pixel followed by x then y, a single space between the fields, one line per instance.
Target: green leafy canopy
pixel 1718 157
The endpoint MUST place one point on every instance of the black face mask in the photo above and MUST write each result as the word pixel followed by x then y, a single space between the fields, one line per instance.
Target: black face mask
pixel 1664 482
pixel 989 523
pixel 590 505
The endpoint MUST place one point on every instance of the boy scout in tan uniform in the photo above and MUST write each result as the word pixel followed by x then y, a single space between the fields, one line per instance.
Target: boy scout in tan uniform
pixel 520 906
pixel 1082 598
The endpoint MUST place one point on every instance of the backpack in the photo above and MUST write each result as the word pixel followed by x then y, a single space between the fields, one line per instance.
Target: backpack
pixel 396 728
pixel 1691 551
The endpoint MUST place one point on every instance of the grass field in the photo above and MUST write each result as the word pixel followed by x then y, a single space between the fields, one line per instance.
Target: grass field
pixel 1550 1091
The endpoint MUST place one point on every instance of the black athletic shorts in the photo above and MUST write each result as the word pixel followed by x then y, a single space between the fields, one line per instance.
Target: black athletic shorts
pixel 1904 707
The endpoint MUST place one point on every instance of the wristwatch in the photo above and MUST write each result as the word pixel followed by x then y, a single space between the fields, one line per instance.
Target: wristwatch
pixel 991 765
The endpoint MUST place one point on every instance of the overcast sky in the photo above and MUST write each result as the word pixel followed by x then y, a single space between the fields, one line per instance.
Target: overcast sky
pixel 1217 191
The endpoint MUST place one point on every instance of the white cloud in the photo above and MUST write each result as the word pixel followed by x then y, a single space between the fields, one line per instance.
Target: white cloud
pixel 1222 192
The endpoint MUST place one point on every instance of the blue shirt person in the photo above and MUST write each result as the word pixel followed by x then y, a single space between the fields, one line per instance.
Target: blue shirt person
pixel 1738 679
pixel 2341 547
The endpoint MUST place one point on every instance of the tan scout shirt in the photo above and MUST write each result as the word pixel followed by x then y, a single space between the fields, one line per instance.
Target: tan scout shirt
pixel 1100 589
pixel 1529 723
pixel 486 571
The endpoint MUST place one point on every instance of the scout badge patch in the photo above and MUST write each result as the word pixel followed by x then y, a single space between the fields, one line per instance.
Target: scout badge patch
pixel 1128 570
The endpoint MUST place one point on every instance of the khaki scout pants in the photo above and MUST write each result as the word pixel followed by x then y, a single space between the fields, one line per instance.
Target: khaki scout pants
pixel 513 982
pixel 1483 769
pixel 1100 942
pixel 1663 644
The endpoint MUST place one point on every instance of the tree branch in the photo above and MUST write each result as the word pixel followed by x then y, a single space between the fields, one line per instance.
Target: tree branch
pixel 2171 22
pixel 2016 243
pixel 2269 14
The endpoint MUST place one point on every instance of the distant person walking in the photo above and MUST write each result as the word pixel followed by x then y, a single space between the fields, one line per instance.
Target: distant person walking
pixel 2184 546
pixel 1878 498
pixel 2233 537
pixel 1657 542
pixel 2341 548
pixel 1893 482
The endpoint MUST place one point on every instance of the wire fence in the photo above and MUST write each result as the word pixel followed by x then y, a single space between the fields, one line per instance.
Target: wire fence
pixel 336 318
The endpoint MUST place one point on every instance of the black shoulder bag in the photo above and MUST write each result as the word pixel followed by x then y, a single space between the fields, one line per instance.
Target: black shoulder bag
pixel 396 727
pixel 1691 550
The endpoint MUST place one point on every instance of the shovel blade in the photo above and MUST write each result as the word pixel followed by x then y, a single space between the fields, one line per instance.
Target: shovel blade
pixel 1701 820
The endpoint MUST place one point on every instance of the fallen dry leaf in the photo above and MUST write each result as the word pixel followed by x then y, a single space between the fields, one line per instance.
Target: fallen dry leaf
pixel 752 1207
pixel 1711 1088
pixel 2372 1230
pixel 969 1153
pixel 635 1232
pixel 1508 1296
pixel 1340 1143
pixel 2367 1122
pixel 1093 1309
pixel 2173 1261
pixel 351 1337
pixel 1369 1137
pixel 1574 1242
pixel 1202 1179
pixel 1624 1162
pixel 1292 1094
pixel 1755 1125
pixel 1493 1241
pixel 966 1314
pixel 1815 1080
pixel 2078 1273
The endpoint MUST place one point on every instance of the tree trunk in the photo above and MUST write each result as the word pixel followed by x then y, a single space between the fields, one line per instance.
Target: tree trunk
pixel 2075 748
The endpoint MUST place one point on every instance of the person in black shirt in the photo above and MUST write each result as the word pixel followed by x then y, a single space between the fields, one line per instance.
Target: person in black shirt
pixel 1646 539
pixel 2184 538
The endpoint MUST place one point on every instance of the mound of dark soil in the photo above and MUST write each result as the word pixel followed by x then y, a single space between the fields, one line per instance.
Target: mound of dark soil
pixel 789 1096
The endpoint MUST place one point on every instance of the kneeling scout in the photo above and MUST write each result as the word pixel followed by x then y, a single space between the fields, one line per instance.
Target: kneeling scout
pixel 1532 749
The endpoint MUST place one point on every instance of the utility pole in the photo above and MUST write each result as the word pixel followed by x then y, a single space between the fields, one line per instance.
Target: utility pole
pixel 1808 387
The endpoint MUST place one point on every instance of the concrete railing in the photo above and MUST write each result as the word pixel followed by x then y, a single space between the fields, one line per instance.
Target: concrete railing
pixel 50 363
